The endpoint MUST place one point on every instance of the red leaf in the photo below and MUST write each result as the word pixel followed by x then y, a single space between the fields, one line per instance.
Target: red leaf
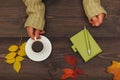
pixel 72 60
pixel 68 73
pixel 76 72
pixel 75 75
pixel 79 71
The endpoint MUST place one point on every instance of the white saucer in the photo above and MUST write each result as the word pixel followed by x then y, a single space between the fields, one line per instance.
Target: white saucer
pixel 42 55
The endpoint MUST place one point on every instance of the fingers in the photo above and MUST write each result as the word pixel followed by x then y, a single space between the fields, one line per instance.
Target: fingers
pixel 94 21
pixel 38 32
pixel 42 32
pixel 100 18
pixel 97 20
pixel 30 32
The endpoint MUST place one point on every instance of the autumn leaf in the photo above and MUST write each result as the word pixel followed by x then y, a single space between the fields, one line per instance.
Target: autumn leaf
pixel 21 52
pixel 17 66
pixel 13 48
pixel 10 55
pixel 19 58
pixel 114 69
pixel 16 56
pixel 22 46
pixel 71 73
pixel 78 71
pixel 72 60
pixel 68 73
pixel 10 61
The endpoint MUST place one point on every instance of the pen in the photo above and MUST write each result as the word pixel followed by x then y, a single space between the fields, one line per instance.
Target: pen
pixel 87 41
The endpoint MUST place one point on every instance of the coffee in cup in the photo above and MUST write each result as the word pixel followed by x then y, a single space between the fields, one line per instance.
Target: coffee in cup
pixel 37 46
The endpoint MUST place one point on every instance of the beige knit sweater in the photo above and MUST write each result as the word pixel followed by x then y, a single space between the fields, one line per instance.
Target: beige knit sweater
pixel 36 11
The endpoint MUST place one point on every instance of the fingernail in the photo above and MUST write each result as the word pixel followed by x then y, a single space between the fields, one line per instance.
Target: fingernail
pixel 97 24
pixel 35 38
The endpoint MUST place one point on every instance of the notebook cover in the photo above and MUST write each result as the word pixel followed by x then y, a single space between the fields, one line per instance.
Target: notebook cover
pixel 84 43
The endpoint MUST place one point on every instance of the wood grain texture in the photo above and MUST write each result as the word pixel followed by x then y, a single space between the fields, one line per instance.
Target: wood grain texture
pixel 12 17
pixel 64 18
pixel 94 69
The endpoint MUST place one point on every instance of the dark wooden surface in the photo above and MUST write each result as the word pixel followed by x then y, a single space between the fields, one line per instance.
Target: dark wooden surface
pixel 64 18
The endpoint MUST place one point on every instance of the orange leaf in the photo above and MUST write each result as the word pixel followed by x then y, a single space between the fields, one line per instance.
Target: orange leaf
pixel 114 69
pixel 68 73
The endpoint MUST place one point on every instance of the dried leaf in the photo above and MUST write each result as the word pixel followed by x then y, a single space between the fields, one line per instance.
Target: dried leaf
pixel 10 61
pixel 12 58
pixel 10 55
pixel 76 72
pixel 68 73
pixel 79 71
pixel 22 46
pixel 13 48
pixel 72 60
pixel 19 58
pixel 17 66
pixel 21 52
pixel 114 69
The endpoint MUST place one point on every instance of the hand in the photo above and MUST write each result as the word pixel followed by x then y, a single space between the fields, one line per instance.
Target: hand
pixel 32 33
pixel 97 20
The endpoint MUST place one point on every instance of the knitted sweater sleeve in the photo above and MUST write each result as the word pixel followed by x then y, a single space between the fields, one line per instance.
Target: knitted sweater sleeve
pixel 93 8
pixel 35 10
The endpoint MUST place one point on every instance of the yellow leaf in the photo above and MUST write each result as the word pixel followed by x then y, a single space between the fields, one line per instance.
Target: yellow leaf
pixel 21 52
pixel 10 61
pixel 19 58
pixel 10 55
pixel 13 48
pixel 22 46
pixel 17 66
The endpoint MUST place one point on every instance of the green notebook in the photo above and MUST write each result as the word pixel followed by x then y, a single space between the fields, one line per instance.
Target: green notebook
pixel 84 43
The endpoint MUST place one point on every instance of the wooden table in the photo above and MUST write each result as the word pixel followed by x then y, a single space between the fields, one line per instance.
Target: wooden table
pixel 64 18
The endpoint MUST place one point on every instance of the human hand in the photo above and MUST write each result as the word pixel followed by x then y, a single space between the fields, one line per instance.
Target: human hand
pixel 32 33
pixel 97 20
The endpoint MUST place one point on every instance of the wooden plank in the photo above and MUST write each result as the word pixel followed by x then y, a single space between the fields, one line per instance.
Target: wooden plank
pixel 12 18
pixel 93 69
pixel 64 18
